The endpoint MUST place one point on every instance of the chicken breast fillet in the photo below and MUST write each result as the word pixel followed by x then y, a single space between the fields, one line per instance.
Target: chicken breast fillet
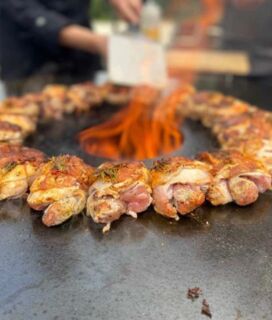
pixel 119 188
pixel 236 177
pixel 60 189
pixel 179 186
pixel 18 166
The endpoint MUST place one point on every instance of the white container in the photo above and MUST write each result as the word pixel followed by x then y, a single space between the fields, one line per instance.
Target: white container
pixel 151 20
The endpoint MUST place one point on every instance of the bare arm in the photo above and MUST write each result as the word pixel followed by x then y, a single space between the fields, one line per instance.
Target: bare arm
pixel 82 38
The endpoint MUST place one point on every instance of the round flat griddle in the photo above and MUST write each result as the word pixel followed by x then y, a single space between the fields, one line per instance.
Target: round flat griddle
pixel 142 269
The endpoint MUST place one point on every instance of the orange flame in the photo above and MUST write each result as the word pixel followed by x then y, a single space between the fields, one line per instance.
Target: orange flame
pixel 148 127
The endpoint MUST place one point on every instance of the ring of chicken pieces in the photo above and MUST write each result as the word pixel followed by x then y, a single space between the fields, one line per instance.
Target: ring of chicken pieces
pixel 119 188
pixel 179 186
pixel 236 177
pixel 60 189
pixel 18 166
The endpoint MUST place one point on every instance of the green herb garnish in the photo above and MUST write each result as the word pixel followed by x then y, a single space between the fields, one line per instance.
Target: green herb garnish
pixel 9 166
pixel 59 164
pixel 107 174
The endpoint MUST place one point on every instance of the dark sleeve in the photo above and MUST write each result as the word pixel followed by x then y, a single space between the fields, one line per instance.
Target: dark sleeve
pixel 36 22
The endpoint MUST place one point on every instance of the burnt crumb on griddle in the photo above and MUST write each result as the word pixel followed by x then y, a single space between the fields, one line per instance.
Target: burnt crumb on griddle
pixel 194 293
pixel 206 309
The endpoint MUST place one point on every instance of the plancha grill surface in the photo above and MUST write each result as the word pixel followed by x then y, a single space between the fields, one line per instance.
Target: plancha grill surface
pixel 142 269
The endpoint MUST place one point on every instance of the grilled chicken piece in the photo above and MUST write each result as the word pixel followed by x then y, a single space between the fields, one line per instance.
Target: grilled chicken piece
pixel 81 97
pixel 119 188
pixel 10 133
pixel 179 185
pixel 255 147
pixel 26 123
pixel 237 177
pixel 212 107
pixel 26 105
pixel 60 189
pixel 256 123
pixel 116 95
pixel 53 101
pixel 18 165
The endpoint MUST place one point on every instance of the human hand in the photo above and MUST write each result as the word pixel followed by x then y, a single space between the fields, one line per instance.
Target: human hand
pixel 128 10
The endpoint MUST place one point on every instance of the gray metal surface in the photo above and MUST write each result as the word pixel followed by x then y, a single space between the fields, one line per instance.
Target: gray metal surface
pixel 141 269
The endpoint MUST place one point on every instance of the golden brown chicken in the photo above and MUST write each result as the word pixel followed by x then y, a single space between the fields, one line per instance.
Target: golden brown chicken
pixel 213 107
pixel 53 98
pixel 236 177
pixel 256 123
pixel 121 188
pixel 18 165
pixel 26 123
pixel 83 96
pixel 179 186
pixel 255 147
pixel 10 133
pixel 26 105
pixel 60 189
pixel 116 95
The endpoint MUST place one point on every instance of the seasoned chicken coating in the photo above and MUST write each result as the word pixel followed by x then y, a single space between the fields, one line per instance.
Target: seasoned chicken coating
pixel 60 189
pixel 53 101
pixel 10 133
pixel 179 186
pixel 256 123
pixel 256 147
pixel 236 177
pixel 212 107
pixel 119 188
pixel 26 123
pixel 18 165
pixel 26 105
pixel 83 96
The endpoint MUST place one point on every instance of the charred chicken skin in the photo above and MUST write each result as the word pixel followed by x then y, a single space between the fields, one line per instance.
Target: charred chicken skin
pixel 236 177
pixel 18 166
pixel 60 189
pixel 179 186
pixel 119 188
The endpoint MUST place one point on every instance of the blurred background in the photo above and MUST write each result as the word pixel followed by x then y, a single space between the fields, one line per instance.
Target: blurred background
pixel 230 38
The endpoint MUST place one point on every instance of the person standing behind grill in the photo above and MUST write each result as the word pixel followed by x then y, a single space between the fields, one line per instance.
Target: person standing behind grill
pixel 45 41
